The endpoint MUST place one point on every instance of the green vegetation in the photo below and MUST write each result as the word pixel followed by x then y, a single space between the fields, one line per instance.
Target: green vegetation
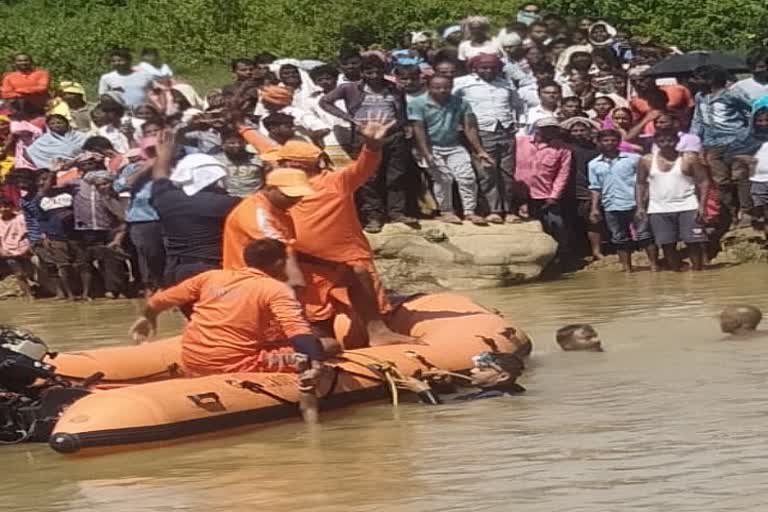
pixel 71 36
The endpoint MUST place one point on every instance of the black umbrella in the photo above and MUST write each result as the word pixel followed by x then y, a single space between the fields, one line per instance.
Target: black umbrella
pixel 686 63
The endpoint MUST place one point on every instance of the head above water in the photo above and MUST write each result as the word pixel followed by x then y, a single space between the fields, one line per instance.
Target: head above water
pixel 740 318
pixel 496 370
pixel 578 337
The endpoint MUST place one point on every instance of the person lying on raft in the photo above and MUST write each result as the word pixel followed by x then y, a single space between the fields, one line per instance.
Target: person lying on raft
pixel 579 337
pixel 330 260
pixel 494 374
pixel 245 320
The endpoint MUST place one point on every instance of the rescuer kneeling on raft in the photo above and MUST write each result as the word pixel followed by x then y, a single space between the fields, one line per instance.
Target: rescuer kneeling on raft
pixel 245 320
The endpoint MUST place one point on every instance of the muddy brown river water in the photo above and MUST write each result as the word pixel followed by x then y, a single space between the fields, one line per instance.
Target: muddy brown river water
pixel 672 417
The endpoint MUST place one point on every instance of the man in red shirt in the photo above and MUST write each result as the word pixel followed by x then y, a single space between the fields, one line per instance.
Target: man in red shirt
pixel 673 98
pixel 26 83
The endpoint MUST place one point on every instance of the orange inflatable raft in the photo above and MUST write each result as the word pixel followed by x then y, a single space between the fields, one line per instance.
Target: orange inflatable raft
pixel 146 400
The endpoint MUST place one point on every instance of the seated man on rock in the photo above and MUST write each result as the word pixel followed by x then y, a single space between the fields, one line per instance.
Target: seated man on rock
pixel 579 337
pixel 740 319
pixel 326 240
pixel 244 320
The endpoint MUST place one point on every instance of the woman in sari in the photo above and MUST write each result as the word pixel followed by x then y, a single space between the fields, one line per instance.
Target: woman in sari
pixel 59 143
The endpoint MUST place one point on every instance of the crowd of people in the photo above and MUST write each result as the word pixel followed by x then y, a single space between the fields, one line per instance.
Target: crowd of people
pixel 548 119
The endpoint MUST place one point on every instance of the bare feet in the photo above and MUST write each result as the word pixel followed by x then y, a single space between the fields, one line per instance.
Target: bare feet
pixel 495 218
pixel 477 220
pixel 449 218
pixel 596 256
pixel 380 335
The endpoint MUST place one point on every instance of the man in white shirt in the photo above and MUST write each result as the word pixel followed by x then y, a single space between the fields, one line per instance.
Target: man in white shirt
pixel 755 87
pixel 279 99
pixel 130 84
pixel 339 140
pixel 494 102
pixel 550 94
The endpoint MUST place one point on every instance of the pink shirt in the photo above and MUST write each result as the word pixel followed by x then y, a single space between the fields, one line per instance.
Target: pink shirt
pixel 543 168
pixel 13 241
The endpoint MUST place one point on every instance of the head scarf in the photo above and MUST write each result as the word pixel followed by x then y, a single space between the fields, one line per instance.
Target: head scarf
pixel 451 30
pixel 759 104
pixel 277 95
pixel 52 146
pixel 197 171
pixel 420 37
pixel 484 59
pixel 527 17
pixel 608 28
pixel 406 58
pixel 509 38
pixel 93 176
pixel 190 94
pixel 570 123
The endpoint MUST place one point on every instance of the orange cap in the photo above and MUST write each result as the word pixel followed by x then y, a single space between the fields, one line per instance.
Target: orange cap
pixel 295 150
pixel 291 182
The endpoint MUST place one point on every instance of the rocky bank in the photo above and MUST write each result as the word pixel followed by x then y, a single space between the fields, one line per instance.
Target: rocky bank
pixel 445 256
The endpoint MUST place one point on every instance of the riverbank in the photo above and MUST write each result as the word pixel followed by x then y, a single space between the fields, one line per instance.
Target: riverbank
pixel 439 257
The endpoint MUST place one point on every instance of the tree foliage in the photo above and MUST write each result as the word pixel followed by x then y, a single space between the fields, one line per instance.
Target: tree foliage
pixel 71 37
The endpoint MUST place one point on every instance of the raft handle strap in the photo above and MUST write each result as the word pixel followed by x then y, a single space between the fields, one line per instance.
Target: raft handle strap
pixel 209 401
pixel 255 387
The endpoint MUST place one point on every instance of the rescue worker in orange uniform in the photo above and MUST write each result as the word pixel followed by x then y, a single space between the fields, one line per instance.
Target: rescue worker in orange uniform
pixel 329 245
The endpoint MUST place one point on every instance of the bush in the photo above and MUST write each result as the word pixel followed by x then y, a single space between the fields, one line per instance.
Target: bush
pixel 71 37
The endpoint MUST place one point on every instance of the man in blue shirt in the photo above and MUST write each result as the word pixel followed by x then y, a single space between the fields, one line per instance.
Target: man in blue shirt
pixel 612 177
pixel 722 118
pixel 436 118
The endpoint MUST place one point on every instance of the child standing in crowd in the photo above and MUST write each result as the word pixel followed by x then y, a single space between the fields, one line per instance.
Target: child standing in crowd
pixel 612 182
pixel 436 118
pixel 14 246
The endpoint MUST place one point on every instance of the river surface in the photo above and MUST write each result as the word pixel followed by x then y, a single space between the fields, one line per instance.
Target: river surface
pixel 672 417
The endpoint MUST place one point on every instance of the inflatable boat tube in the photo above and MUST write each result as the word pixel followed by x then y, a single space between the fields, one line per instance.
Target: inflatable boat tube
pixel 452 328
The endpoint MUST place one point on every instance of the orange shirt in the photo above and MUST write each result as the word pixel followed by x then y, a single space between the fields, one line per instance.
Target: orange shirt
pixel 253 219
pixel 260 143
pixel 679 102
pixel 326 221
pixel 236 312
pixel 32 86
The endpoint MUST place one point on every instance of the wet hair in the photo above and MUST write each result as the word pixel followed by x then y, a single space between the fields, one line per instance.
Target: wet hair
pixel 120 51
pixel 740 317
pixel 718 75
pixel 264 58
pixel 372 62
pixel 323 70
pixel 241 61
pixel 757 56
pixel 98 144
pixel 564 333
pixel 277 119
pixel 549 83
pixel 347 53
pixel 263 253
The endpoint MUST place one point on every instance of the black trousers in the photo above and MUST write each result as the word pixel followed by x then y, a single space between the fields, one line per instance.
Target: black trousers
pixel 393 191
pixel 147 239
